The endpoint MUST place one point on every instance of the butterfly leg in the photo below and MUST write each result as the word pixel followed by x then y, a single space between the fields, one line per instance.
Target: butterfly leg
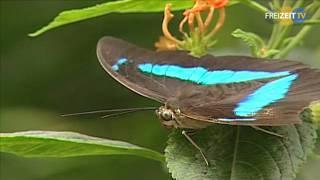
pixel 268 132
pixel 191 132
pixel 185 133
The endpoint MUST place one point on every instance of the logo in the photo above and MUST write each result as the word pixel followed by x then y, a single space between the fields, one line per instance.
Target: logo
pixel 286 15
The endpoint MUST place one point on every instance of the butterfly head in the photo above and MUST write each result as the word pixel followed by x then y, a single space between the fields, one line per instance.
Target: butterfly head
pixel 169 117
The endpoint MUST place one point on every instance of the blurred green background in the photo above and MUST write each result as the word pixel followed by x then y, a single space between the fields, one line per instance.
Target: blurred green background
pixel 58 73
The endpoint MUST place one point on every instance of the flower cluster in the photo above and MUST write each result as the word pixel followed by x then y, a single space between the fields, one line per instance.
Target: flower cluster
pixel 199 38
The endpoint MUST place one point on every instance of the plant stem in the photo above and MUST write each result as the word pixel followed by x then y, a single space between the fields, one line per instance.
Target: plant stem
pixel 312 22
pixel 312 7
pixel 286 3
pixel 274 35
pixel 298 37
pixel 283 32
pixel 276 4
pixel 255 5
pixel 297 4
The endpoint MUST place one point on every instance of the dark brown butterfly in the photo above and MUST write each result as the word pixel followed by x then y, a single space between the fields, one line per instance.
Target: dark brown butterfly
pixel 197 92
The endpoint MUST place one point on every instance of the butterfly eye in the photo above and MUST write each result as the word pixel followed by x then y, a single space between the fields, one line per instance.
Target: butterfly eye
pixel 167 115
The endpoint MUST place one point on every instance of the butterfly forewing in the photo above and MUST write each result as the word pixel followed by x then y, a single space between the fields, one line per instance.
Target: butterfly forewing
pixel 120 60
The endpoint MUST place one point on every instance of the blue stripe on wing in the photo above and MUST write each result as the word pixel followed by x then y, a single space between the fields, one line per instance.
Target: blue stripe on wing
pixel 203 76
pixel 120 62
pixel 264 96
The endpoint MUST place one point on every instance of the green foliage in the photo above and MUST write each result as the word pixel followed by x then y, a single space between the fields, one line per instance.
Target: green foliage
pixel 68 144
pixel 196 44
pixel 317 147
pixel 252 40
pixel 310 22
pixel 315 107
pixel 254 5
pixel 255 42
pixel 124 6
pixel 280 43
pixel 240 153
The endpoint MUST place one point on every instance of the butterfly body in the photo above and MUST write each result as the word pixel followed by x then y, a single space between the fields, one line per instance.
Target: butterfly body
pixel 173 118
pixel 197 92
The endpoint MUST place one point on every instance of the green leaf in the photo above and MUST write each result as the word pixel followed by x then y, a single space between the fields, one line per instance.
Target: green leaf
pixel 271 53
pixel 240 153
pixel 310 170
pixel 124 6
pixel 315 109
pixel 317 146
pixel 254 5
pixel 68 144
pixel 252 40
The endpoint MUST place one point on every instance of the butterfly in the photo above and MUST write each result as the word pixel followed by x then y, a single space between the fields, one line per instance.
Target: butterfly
pixel 196 92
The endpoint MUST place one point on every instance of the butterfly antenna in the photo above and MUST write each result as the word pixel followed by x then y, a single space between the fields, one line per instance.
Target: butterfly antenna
pixel 122 110
pixel 122 113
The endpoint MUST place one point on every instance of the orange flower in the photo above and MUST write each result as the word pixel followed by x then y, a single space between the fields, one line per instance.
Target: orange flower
pixel 200 33
pixel 200 5
pixel 218 3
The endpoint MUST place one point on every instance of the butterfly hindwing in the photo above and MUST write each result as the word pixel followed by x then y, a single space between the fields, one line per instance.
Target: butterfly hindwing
pixel 225 89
